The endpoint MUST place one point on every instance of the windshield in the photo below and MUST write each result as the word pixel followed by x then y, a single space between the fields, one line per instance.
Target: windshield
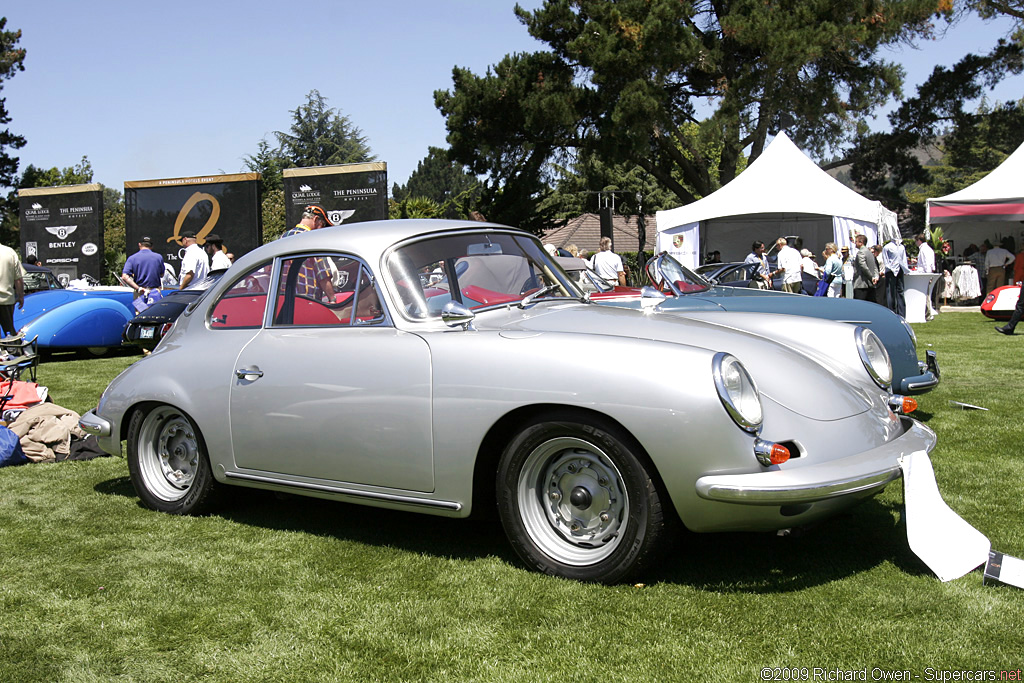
pixel 669 274
pixel 477 270
pixel 708 268
pixel 39 280
pixel 582 276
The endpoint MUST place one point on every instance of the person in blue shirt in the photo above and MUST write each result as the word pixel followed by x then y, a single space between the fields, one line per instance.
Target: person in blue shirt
pixel 143 269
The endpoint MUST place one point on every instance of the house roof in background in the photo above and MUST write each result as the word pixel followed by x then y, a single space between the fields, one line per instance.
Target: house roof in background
pixel 585 232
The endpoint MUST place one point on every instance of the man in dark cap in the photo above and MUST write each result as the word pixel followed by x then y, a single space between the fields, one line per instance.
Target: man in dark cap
pixel 194 264
pixel 214 247
pixel 143 269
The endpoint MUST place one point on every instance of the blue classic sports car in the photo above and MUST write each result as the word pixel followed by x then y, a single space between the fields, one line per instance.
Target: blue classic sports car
pixel 684 292
pixel 90 317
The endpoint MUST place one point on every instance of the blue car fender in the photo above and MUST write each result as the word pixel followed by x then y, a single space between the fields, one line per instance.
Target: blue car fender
pixel 92 321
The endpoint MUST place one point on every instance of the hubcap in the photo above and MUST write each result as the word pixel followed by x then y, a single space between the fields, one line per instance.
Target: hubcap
pixel 178 453
pixel 572 501
pixel 168 453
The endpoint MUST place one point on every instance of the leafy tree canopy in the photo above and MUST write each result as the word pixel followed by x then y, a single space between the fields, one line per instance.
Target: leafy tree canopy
pixel 11 61
pixel 970 152
pixel 322 136
pixel 268 163
pixel 415 207
pixel 444 182
pixel 886 164
pixel 621 80
pixel 319 136
pixel 78 174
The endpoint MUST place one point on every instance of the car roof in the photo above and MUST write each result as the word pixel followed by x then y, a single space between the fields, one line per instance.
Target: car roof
pixel 369 238
pixel 33 268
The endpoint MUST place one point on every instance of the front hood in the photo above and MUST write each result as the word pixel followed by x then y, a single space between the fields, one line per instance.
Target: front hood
pixel 783 375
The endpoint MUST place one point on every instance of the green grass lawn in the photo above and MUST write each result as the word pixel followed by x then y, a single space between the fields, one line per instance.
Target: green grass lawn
pixel 93 587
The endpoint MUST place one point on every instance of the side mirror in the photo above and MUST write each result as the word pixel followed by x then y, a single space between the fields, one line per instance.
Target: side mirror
pixel 455 314
pixel 650 297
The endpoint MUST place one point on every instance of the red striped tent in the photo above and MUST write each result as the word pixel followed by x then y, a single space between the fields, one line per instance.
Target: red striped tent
pixel 991 208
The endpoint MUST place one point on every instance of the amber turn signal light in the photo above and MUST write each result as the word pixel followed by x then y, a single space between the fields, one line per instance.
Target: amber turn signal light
pixel 902 404
pixel 770 453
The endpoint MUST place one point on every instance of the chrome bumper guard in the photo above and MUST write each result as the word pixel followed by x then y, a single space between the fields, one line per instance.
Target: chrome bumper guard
pixel 928 379
pixel 811 483
pixel 91 423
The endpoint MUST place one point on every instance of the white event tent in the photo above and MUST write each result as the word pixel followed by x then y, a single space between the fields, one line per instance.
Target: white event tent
pixel 991 208
pixel 783 192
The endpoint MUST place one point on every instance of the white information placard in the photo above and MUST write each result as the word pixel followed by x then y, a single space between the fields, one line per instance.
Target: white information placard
pixel 941 538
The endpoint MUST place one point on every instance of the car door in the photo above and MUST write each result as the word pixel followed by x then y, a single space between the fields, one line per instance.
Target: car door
pixel 330 390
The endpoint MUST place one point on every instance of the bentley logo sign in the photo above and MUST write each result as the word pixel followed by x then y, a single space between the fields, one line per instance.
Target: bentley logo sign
pixel 61 232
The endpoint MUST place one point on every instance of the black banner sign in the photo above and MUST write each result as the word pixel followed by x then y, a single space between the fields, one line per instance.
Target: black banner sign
pixel 349 193
pixel 228 205
pixel 62 227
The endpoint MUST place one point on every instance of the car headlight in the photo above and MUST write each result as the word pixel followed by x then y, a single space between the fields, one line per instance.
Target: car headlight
pixel 738 392
pixel 874 356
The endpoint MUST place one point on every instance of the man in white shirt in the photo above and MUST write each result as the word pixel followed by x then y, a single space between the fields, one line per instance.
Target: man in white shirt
pixel 608 265
pixel 194 264
pixel 925 254
pixel 790 265
pixel 996 260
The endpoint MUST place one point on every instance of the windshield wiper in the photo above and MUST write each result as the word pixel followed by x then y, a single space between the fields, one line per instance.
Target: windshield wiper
pixel 529 298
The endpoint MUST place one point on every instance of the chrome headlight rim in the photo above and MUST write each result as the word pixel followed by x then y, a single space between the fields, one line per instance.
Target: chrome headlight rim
pixel 910 331
pixel 726 369
pixel 874 356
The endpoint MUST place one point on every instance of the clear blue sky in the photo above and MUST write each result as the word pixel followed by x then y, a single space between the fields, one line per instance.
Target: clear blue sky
pixel 158 90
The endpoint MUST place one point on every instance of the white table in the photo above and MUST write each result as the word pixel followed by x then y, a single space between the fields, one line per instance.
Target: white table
pixel 917 294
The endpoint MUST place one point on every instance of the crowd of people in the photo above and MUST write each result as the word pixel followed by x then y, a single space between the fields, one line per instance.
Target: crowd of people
pixel 877 273
pixel 145 270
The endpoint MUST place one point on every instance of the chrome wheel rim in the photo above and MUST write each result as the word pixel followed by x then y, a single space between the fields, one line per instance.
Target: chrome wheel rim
pixel 168 453
pixel 572 501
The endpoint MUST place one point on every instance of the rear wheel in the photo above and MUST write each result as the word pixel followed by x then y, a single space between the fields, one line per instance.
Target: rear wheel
pixel 167 461
pixel 576 500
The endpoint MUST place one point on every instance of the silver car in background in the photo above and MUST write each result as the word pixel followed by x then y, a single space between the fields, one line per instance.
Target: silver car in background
pixel 458 368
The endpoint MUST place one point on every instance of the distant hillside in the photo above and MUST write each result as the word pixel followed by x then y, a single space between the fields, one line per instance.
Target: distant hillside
pixel 928 155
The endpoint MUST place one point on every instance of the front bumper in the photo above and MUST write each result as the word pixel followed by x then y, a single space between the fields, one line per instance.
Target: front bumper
pixel 93 424
pixel 854 476
pixel 927 380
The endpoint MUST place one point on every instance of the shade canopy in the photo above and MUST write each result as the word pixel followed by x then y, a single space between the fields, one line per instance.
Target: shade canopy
pixel 990 208
pixel 783 192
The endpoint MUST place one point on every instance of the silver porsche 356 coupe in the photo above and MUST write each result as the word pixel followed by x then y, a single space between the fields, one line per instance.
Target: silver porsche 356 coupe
pixel 447 367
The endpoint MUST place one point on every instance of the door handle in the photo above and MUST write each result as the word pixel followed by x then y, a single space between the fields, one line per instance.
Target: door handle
pixel 248 373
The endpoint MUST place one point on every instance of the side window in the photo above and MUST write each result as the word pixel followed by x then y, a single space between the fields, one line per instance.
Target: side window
pixel 242 306
pixel 324 291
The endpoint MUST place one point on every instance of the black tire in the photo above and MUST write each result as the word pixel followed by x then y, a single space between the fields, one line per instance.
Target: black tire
pixel 168 463
pixel 576 500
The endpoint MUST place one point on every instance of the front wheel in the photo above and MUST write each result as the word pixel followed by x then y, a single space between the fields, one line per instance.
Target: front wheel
pixel 167 461
pixel 576 500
